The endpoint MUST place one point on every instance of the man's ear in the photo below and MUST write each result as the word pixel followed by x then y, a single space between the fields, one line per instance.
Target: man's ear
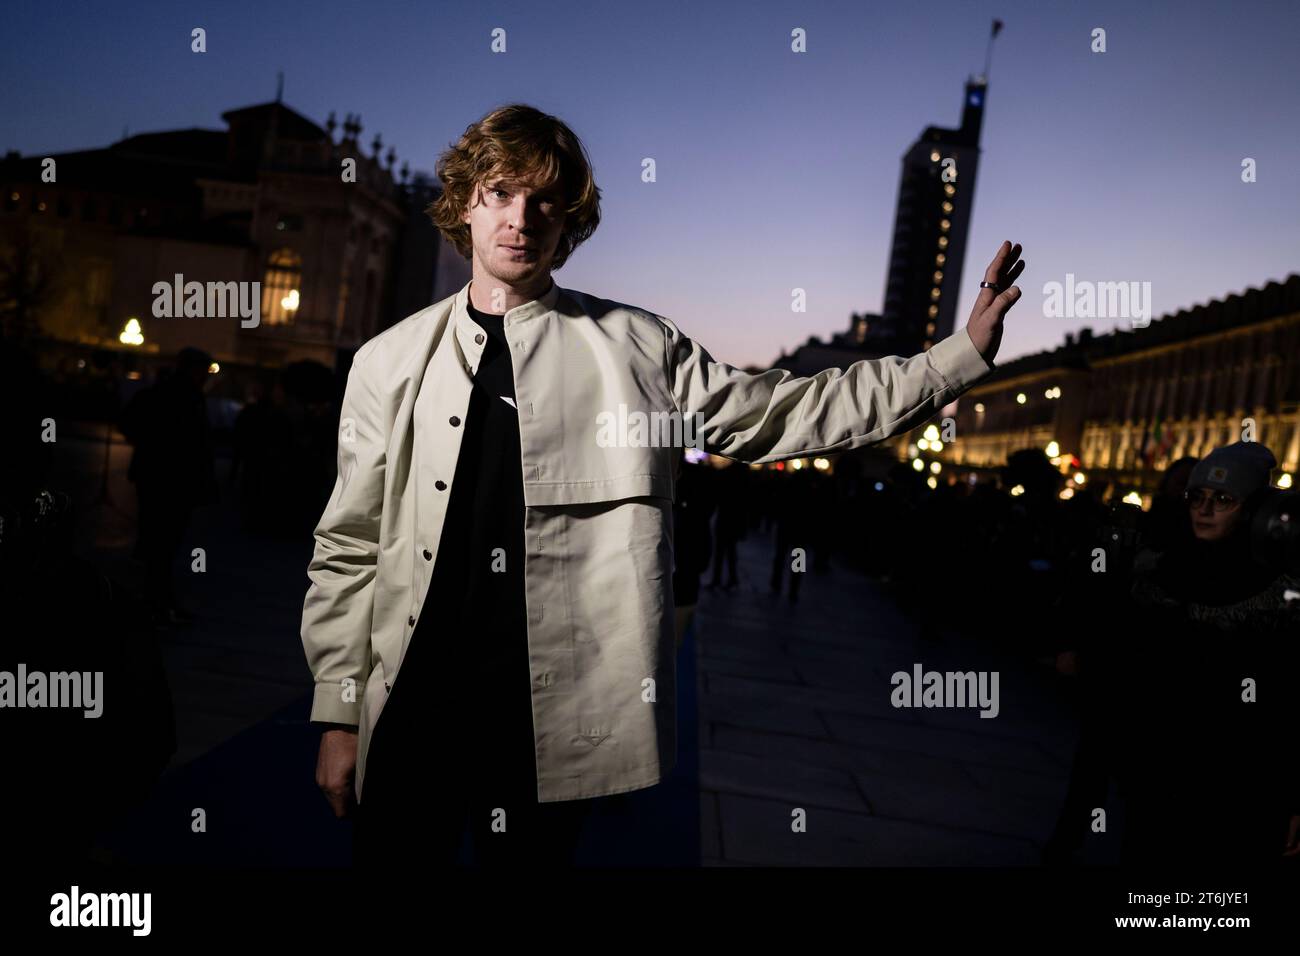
pixel 464 213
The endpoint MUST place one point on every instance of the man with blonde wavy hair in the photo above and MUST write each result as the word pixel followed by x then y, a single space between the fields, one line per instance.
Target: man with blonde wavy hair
pixel 514 567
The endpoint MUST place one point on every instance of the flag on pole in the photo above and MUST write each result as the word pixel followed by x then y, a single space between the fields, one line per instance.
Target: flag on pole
pixel 1164 438
pixel 997 27
pixel 1159 442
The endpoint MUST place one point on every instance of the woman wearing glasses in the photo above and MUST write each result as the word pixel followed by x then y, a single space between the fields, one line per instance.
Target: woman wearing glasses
pixel 1205 680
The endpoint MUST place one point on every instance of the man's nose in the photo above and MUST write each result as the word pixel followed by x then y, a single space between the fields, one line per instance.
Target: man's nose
pixel 519 214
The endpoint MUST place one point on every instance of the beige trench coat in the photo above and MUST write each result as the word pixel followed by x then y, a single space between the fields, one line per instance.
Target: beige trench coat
pixel 598 575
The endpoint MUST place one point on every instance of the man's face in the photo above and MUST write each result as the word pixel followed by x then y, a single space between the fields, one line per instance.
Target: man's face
pixel 515 229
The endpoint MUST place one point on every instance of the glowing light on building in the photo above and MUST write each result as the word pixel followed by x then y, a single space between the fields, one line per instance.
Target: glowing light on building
pixel 131 333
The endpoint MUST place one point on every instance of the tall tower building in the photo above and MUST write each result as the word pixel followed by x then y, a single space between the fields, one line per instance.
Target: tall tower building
pixel 935 192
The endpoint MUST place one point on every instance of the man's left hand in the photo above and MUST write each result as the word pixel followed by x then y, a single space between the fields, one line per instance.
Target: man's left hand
pixel 985 323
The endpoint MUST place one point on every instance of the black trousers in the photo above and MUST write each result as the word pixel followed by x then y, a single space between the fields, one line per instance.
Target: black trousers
pixel 427 827
pixel 453 749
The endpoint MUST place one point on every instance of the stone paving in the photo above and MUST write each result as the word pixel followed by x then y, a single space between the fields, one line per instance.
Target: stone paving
pixel 795 712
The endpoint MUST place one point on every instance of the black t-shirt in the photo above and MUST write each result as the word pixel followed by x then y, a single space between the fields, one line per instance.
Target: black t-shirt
pixel 484 527
pixel 476 707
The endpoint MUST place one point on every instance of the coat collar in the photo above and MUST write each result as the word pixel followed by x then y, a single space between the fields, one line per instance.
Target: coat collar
pixel 470 335
pixel 520 313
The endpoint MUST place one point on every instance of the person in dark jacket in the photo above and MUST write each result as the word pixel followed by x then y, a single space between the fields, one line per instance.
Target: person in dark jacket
pixel 72 772
pixel 1167 524
pixel 1203 685
pixel 732 522
pixel 173 470
pixel 795 528
pixel 692 538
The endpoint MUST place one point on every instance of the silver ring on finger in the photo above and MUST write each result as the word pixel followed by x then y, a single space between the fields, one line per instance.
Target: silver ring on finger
pixel 990 285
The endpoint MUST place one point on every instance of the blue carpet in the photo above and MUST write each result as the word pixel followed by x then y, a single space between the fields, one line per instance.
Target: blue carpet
pixel 262 806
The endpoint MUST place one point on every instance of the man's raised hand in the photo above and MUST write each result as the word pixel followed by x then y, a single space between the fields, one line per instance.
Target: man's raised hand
pixel 985 323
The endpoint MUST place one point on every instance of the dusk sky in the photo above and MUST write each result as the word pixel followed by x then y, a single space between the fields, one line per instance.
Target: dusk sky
pixel 776 170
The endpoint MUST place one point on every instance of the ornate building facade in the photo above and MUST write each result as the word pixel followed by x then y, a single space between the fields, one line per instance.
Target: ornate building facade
pixel 337 254
pixel 1120 407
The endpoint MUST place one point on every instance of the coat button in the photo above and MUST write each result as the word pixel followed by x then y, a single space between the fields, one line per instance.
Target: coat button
pixel 478 339
pixel 440 485
pixel 411 620
pixel 428 555
pixel 454 421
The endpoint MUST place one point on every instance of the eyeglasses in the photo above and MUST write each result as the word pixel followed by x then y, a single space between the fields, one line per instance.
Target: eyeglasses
pixel 1221 500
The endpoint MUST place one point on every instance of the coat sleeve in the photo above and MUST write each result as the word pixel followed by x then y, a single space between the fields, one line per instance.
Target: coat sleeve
pixel 775 415
pixel 336 616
